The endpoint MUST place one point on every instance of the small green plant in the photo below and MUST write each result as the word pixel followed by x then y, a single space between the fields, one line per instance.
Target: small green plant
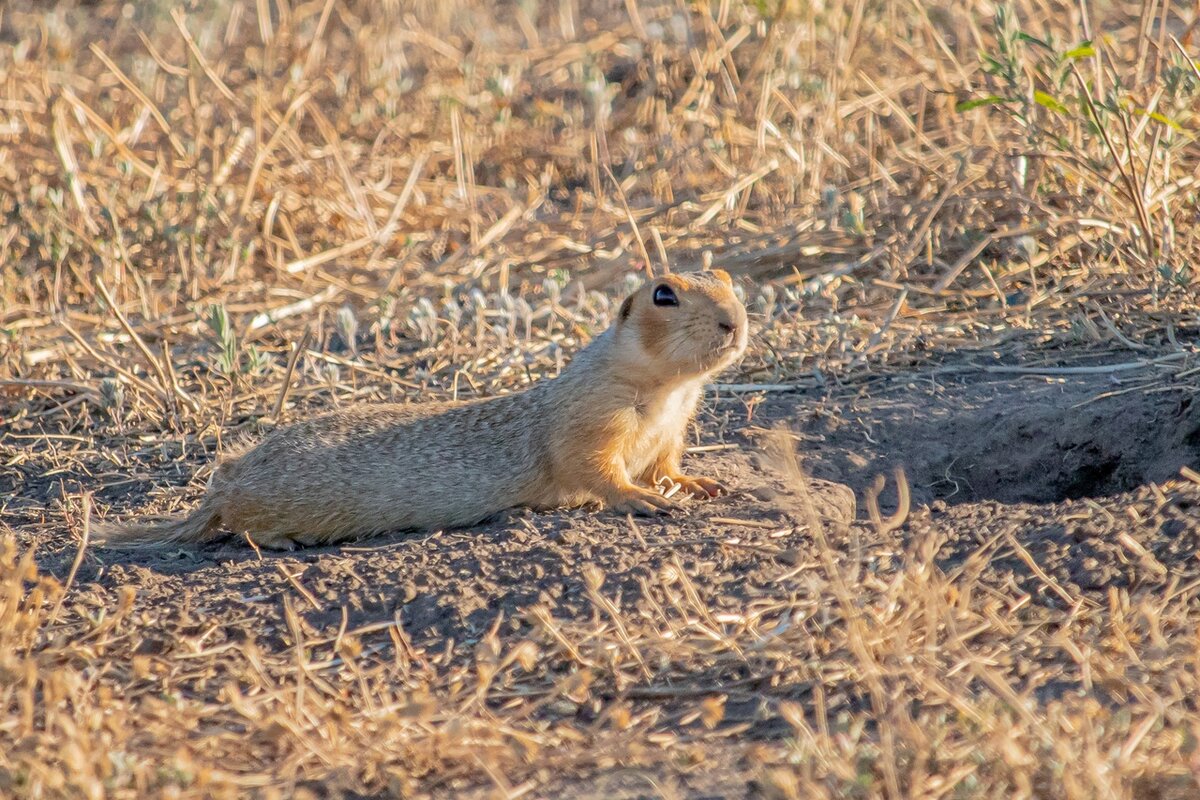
pixel 226 340
pixel 231 360
pixel 1030 78
pixel 1175 276
pixel 1033 77
pixel 257 362
pixel 1082 127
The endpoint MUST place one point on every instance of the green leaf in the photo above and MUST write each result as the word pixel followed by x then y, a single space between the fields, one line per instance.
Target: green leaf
pixel 1043 99
pixel 1165 120
pixel 1084 50
pixel 994 65
pixel 1025 37
pixel 990 100
pixel 1158 117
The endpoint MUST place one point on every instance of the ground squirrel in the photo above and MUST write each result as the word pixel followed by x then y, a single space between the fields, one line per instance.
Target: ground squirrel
pixel 609 429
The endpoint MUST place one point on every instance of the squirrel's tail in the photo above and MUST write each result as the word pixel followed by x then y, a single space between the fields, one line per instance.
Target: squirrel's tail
pixel 201 525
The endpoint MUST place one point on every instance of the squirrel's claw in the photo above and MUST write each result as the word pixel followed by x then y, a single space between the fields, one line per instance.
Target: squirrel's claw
pixel 706 488
pixel 643 503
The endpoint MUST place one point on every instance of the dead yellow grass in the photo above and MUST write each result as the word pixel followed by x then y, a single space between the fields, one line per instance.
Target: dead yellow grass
pixel 213 219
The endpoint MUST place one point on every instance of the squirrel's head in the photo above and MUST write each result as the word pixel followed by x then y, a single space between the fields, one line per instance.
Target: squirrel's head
pixel 684 324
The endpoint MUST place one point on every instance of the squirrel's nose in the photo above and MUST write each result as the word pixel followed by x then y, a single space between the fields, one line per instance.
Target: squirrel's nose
pixel 726 327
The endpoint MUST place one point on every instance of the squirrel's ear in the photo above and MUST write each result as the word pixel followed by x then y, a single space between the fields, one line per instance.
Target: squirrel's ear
pixel 626 307
pixel 722 275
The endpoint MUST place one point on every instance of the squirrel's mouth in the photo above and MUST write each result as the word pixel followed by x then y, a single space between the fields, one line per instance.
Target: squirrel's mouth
pixel 727 351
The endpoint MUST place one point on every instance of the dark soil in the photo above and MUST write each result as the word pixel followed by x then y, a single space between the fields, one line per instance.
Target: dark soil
pixel 1029 440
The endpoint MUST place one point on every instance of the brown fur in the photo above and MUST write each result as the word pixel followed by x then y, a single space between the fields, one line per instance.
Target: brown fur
pixel 606 431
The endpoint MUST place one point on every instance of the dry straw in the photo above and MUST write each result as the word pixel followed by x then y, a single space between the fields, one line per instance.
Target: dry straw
pixel 189 199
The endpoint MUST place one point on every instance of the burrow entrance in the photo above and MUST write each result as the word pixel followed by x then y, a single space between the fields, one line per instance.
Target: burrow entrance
pixel 1017 441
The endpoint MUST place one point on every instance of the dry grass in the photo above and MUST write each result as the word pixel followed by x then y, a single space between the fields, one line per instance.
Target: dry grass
pixel 215 219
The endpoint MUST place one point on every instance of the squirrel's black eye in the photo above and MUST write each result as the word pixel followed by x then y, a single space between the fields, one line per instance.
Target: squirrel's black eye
pixel 665 296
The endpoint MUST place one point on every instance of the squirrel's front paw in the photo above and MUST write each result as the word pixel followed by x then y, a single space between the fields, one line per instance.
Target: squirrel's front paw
pixel 701 487
pixel 642 502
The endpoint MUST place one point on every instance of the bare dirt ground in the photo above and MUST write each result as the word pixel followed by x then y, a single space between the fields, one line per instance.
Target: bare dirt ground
pixel 987 456
pixel 1045 494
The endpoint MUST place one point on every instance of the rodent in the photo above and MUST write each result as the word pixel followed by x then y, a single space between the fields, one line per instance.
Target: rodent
pixel 606 430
